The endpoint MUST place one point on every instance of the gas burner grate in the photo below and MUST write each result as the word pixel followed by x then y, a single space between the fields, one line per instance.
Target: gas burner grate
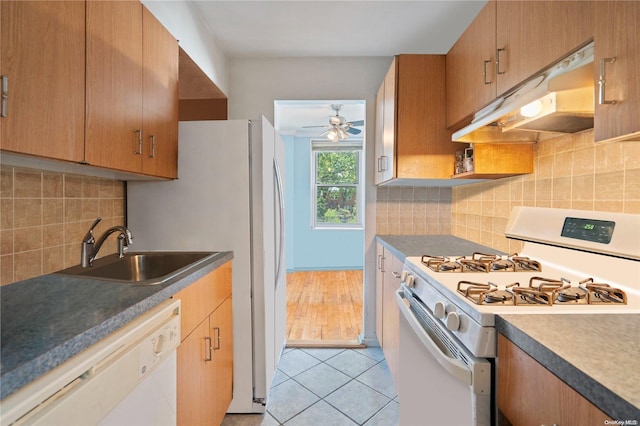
pixel 481 262
pixel 600 293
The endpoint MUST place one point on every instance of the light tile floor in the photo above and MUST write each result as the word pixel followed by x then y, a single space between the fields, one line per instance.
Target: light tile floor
pixel 328 387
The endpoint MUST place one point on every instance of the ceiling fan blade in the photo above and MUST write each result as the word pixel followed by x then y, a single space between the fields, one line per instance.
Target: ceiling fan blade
pixel 353 131
pixel 309 127
pixel 357 123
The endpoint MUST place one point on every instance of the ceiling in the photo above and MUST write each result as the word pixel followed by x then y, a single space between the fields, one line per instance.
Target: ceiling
pixel 311 28
pixel 314 28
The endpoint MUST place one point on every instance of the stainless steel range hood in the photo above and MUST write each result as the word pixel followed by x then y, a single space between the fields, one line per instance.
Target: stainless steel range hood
pixel 558 100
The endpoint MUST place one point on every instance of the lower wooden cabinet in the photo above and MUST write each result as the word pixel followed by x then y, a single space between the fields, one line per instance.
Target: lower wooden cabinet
pixel 529 394
pixel 388 273
pixel 205 356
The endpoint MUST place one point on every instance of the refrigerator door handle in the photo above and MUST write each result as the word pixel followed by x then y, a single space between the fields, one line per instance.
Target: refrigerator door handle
pixel 278 177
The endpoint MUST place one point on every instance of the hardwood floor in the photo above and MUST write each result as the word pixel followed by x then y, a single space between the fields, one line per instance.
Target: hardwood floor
pixel 324 308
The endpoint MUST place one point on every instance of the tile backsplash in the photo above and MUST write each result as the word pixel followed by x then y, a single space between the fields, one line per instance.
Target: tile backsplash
pixel 413 211
pixel 44 215
pixel 570 171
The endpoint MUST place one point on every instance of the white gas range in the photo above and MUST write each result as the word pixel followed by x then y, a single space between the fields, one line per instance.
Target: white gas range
pixel 571 262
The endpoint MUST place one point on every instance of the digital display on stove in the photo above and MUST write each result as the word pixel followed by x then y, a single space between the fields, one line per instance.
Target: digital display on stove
pixel 598 231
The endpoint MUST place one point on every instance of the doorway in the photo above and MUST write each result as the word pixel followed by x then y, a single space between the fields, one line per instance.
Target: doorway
pixel 324 220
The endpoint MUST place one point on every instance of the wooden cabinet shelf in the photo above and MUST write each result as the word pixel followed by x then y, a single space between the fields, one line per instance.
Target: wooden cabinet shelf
pixel 499 160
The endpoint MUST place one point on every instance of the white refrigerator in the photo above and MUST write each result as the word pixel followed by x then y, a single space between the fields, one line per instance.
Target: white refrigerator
pixel 229 196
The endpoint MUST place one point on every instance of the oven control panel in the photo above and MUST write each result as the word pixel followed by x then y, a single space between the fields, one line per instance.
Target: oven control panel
pixel 598 231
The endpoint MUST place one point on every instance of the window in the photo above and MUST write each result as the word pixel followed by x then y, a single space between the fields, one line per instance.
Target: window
pixel 337 191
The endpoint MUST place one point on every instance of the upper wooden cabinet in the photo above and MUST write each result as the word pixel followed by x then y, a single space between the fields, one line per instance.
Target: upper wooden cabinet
pixel 471 78
pixel 160 99
pixel 43 63
pixel 617 60
pixel 132 90
pixel 507 43
pixel 415 141
pixel 531 35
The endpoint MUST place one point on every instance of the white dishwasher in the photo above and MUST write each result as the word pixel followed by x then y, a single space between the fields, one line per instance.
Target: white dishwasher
pixel 128 378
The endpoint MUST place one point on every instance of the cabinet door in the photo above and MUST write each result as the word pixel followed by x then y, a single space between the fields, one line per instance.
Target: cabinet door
pixel 195 381
pixel 160 99
pixel 380 158
pixel 530 394
pixel 391 325
pixel 114 85
pixel 389 124
pixel 379 290
pixel 535 34
pixel 221 323
pixel 423 144
pixel 43 61
pixel 470 67
pixel 617 30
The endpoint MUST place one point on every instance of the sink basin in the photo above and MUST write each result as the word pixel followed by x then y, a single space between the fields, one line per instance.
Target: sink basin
pixel 144 268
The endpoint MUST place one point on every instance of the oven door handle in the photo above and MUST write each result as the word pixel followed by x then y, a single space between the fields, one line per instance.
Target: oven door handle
pixel 453 366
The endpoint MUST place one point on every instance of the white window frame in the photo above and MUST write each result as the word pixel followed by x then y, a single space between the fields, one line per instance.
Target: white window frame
pixel 325 146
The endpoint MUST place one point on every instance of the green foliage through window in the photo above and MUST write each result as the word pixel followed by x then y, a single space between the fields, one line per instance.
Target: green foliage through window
pixel 337 185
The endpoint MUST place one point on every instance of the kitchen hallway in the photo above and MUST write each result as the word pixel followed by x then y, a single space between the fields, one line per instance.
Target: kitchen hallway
pixel 328 386
pixel 324 308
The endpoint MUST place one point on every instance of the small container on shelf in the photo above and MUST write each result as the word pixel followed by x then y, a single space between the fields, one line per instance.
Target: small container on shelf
pixel 468 159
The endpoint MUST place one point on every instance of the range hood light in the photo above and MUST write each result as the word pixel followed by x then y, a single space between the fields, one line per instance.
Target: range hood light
pixel 532 109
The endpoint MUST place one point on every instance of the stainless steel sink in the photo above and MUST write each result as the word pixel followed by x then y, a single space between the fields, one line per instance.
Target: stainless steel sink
pixel 144 268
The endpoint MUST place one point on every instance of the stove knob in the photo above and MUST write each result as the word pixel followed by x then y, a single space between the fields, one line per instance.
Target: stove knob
pixel 409 281
pixel 453 321
pixel 439 310
pixel 403 276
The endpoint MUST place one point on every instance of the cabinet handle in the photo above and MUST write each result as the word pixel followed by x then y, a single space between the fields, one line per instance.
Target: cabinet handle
pixel 5 95
pixel 602 99
pixel 498 52
pixel 153 146
pixel 139 150
pixel 382 163
pixel 484 71
pixel 381 263
pixel 208 348
pixel 216 348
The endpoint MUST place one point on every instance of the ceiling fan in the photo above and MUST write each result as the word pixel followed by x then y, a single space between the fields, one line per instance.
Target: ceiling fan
pixel 339 128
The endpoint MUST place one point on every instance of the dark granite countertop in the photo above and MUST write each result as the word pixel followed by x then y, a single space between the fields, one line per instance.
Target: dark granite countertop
pixel 598 355
pixel 438 245
pixel 48 319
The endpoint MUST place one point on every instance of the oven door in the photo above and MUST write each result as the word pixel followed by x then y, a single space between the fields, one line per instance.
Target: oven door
pixel 440 382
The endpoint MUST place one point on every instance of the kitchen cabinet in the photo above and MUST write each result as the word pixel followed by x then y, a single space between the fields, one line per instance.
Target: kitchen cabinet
pixel 388 273
pixel 528 393
pixel 531 35
pixel 470 67
pixel 205 356
pixel 413 141
pixel 616 36
pixel 42 60
pixel 507 43
pixel 499 160
pixel 132 90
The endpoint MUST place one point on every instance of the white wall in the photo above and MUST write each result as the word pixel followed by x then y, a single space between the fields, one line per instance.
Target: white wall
pixel 256 83
pixel 185 24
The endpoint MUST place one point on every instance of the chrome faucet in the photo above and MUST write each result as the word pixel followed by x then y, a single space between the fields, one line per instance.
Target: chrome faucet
pixel 90 247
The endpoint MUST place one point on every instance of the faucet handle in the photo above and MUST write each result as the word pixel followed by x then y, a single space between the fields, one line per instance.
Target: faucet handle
pixel 88 238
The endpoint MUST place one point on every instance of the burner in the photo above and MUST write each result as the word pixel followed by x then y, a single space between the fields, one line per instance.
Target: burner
pixel 530 296
pixel 503 265
pixel 603 293
pixel 441 264
pixel 525 264
pixel 481 294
